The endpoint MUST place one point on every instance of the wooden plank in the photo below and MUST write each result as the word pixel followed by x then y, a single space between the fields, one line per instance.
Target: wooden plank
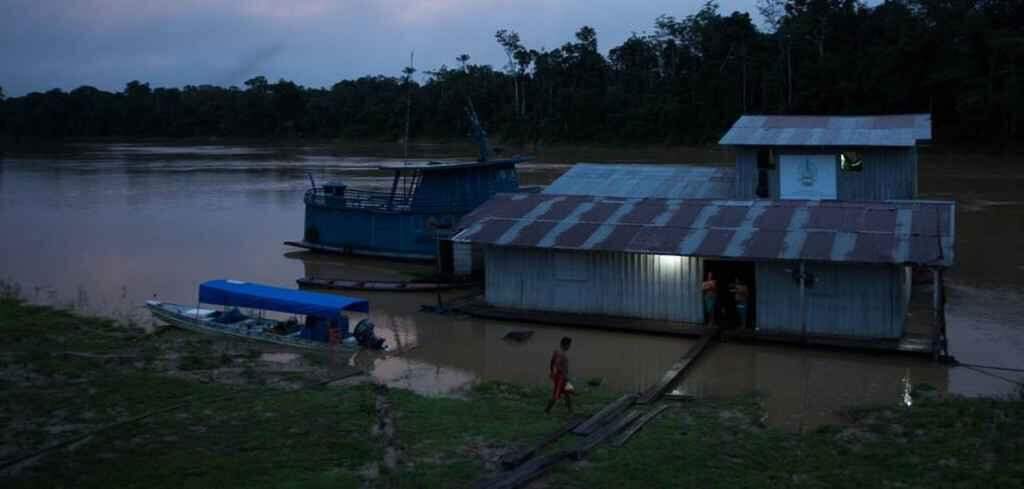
pixel 524 474
pixel 515 459
pixel 613 409
pixel 623 437
pixel 679 368
pixel 591 441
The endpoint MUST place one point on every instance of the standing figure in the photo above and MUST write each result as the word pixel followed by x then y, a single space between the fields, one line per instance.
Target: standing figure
pixel 741 293
pixel 558 371
pixel 710 290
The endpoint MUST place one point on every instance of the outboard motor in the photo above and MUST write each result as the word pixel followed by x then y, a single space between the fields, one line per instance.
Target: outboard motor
pixel 364 334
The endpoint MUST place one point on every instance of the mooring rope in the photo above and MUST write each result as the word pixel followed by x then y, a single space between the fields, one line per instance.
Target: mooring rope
pixel 989 367
pixel 990 374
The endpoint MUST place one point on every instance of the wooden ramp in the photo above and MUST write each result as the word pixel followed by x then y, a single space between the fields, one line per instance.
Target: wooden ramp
pixel 676 371
pixel 620 419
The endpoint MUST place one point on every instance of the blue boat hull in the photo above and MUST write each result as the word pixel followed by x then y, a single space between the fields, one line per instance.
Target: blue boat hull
pixel 370 232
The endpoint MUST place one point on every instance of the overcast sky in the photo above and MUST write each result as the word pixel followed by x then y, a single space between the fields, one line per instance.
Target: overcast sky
pixel 47 44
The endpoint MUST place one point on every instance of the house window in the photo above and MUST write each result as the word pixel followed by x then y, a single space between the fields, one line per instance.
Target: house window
pixel 850 161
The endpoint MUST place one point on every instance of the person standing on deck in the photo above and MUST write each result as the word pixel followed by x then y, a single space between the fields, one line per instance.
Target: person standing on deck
pixel 741 292
pixel 710 290
pixel 558 370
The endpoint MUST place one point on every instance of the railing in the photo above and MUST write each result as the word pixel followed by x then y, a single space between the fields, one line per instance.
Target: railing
pixel 382 201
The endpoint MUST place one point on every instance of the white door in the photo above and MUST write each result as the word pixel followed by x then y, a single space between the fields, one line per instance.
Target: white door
pixel 811 177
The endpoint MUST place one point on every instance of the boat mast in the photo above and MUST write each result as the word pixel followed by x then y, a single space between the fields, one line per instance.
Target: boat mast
pixel 408 71
pixel 478 132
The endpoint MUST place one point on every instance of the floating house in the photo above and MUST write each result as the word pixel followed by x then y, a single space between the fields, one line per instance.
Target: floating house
pixel 632 241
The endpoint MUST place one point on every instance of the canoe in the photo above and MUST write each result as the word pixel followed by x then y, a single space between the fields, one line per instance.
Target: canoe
pixel 250 328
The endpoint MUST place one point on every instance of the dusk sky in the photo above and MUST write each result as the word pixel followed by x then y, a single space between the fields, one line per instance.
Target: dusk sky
pixel 47 44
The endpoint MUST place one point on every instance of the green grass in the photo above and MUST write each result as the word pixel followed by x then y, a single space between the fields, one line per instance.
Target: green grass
pixel 258 435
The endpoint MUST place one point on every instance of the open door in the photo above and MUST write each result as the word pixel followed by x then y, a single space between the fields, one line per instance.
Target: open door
pixel 730 276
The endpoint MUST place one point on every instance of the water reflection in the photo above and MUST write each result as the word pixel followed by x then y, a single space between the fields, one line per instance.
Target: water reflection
pixel 108 226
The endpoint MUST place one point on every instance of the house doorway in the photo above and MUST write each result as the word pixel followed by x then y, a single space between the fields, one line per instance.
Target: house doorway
pixel 727 273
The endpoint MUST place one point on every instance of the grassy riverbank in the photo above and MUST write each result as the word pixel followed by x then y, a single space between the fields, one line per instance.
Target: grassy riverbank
pixel 172 409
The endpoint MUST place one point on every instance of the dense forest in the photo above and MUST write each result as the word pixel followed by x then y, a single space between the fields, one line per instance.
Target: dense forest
pixel 685 81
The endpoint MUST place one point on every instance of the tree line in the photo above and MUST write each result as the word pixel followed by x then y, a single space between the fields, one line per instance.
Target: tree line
pixel 685 81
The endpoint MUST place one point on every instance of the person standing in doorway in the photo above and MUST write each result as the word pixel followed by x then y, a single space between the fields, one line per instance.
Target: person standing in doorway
pixel 558 371
pixel 710 291
pixel 741 293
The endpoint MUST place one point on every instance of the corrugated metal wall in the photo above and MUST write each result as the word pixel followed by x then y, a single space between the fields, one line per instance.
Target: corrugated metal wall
pixel 888 173
pixel 617 284
pixel 462 258
pixel 846 300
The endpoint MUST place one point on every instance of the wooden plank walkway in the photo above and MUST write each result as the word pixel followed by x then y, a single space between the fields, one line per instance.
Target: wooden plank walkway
pixel 515 459
pixel 524 474
pixel 679 368
pixel 623 437
pixel 608 412
pixel 600 435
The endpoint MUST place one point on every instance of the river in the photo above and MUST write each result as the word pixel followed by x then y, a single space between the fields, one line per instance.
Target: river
pixel 103 227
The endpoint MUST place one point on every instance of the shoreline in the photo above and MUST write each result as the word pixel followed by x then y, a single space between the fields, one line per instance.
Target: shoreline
pixel 242 417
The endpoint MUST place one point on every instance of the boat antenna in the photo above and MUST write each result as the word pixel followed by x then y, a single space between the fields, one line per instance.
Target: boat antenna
pixel 407 78
pixel 478 132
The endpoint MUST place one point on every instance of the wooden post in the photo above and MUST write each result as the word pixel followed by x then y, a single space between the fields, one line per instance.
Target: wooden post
pixel 803 311
pixel 936 290
pixel 943 337
pixel 939 310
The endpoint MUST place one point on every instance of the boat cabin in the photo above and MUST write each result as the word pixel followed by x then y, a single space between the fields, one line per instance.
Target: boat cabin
pixel 423 203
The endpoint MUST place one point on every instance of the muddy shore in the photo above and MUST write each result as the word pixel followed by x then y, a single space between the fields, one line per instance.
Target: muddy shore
pixel 92 403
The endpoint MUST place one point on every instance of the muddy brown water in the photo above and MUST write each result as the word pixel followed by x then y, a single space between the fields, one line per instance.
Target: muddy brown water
pixel 102 227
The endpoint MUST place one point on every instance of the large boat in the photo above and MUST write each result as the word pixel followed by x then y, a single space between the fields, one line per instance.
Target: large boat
pixel 425 202
pixel 325 325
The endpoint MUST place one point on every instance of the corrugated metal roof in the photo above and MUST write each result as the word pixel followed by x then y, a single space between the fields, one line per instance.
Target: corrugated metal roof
pixel 785 130
pixel 918 232
pixel 640 180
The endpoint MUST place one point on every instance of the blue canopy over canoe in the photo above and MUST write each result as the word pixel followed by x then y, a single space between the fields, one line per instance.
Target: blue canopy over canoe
pixel 256 296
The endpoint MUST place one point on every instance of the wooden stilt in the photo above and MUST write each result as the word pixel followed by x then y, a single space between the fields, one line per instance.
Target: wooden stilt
pixel 938 311
pixel 803 311
pixel 943 343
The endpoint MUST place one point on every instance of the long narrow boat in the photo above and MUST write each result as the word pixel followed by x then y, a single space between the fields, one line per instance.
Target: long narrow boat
pixel 325 326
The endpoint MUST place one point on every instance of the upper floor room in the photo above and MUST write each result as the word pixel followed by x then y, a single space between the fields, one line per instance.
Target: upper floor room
pixel 827 157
